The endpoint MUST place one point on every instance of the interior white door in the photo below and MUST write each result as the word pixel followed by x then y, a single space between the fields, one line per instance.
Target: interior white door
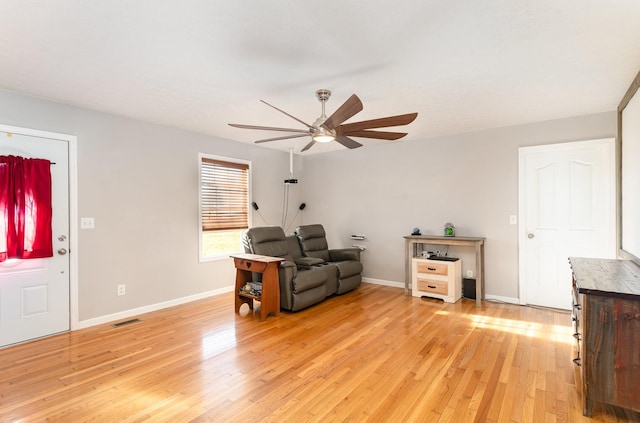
pixel 34 293
pixel 567 208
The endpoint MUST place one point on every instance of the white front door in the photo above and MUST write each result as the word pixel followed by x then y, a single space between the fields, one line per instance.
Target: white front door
pixel 567 208
pixel 34 293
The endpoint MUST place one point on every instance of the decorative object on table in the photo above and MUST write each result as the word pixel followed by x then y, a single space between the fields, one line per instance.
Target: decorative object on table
pixel 252 288
pixel 449 229
pixel 256 287
pixel 416 231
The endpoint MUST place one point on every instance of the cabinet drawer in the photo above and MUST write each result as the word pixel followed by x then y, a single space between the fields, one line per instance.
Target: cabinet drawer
pixel 435 287
pixel 432 268
pixel 250 265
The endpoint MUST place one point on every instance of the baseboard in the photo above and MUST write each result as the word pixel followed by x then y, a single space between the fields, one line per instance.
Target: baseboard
pixel 159 306
pixel 152 307
pixel 401 285
pixel 383 282
pixel 502 299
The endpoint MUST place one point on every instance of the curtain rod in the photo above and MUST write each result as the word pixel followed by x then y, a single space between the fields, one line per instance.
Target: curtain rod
pixel 52 163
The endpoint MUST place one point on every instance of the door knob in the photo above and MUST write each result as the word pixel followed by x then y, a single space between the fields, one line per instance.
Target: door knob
pixel 62 251
pixel 530 236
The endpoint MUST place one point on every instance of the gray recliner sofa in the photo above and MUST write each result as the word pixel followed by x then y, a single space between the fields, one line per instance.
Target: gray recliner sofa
pixel 301 285
pixel 348 268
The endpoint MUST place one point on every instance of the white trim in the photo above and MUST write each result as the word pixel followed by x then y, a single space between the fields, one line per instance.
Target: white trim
pixel 522 229
pixel 487 297
pixel 153 307
pixel 384 282
pixel 72 141
pixel 509 300
pixel 179 301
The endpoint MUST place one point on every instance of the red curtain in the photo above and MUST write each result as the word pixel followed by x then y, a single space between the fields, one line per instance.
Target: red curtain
pixel 25 208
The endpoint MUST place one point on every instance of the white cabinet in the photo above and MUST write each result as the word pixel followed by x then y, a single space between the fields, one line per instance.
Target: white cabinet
pixel 437 279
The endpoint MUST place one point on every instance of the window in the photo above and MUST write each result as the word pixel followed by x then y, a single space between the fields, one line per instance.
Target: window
pixel 25 208
pixel 224 205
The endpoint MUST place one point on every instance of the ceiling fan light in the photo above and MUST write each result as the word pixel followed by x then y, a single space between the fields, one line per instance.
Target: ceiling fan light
pixel 323 138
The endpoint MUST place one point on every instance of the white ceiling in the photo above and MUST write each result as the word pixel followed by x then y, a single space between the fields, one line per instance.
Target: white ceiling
pixel 200 64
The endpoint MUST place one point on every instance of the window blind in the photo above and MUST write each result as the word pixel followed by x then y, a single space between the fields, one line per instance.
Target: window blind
pixel 224 192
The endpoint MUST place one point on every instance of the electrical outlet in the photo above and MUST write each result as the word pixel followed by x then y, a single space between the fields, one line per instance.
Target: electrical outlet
pixel 469 274
pixel 121 289
pixel 87 223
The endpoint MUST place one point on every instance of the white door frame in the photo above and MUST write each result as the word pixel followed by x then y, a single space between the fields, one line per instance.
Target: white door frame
pixel 522 229
pixel 72 141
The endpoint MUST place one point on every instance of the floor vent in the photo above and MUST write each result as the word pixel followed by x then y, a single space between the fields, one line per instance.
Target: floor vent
pixel 126 322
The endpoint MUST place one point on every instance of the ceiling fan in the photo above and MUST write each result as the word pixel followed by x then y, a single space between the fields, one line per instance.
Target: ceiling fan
pixel 327 129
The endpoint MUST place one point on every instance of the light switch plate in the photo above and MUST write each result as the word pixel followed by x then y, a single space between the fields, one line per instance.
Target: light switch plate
pixel 513 219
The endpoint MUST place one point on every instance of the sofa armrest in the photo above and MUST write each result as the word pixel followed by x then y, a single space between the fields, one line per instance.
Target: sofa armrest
pixel 308 262
pixel 342 254
pixel 286 275
pixel 289 268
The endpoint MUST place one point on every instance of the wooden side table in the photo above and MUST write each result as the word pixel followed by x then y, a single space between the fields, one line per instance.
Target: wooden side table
pixel 270 299
pixel 411 243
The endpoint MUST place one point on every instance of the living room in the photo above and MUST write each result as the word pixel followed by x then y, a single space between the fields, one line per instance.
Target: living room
pixel 137 176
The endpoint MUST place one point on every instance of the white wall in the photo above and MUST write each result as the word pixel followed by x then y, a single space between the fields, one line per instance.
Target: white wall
pixel 139 181
pixel 468 179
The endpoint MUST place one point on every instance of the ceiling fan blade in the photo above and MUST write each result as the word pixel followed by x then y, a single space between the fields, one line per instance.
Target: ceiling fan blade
pixel 308 146
pixel 291 116
pixel 286 137
pixel 348 142
pixel 348 109
pixel 381 135
pixel 268 128
pixel 379 123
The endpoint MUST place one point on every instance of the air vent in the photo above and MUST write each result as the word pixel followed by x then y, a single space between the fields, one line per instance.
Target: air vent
pixel 126 322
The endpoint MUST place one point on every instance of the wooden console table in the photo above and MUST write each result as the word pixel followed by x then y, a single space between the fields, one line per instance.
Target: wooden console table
pixel 411 243
pixel 270 299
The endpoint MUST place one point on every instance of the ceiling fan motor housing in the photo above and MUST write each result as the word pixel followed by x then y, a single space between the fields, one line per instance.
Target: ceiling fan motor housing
pixel 323 95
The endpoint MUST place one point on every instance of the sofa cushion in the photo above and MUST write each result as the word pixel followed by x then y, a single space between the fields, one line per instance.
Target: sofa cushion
pixel 307 298
pixel 294 247
pixel 269 241
pixel 348 268
pixel 308 279
pixel 313 241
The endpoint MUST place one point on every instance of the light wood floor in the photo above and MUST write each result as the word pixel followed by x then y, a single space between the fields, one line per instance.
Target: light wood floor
pixel 369 355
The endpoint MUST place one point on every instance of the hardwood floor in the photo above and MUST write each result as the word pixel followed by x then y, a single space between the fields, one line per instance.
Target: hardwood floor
pixel 369 355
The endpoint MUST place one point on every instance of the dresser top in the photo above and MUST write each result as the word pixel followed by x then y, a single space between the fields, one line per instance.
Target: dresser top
pixel 609 278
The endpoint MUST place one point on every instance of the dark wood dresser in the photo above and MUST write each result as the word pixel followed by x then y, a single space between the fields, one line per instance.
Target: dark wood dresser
pixel 606 320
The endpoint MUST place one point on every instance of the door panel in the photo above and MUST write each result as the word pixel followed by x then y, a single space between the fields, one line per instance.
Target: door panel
pixel 567 208
pixel 34 294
